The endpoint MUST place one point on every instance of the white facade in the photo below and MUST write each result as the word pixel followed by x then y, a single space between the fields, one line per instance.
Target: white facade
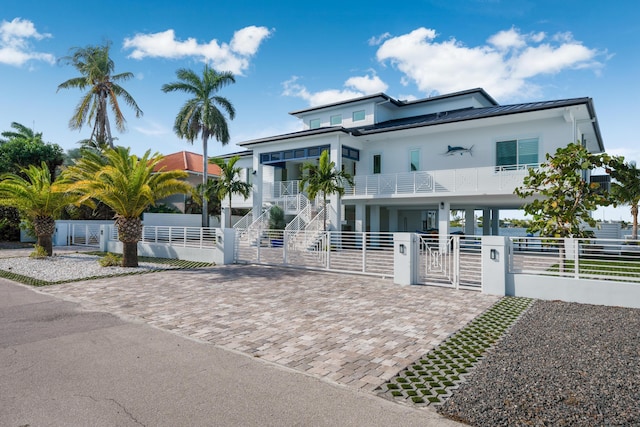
pixel 413 162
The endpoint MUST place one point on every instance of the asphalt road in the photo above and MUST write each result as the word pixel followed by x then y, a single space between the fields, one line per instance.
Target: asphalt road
pixel 61 365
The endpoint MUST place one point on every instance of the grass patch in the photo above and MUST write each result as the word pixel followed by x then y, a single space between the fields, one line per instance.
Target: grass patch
pixel 441 369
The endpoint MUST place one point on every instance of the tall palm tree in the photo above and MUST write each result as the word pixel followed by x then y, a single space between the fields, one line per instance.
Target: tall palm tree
pixel 325 179
pixel 127 184
pixel 21 133
pixel 627 191
pixel 229 182
pixel 96 69
pixel 38 199
pixel 200 115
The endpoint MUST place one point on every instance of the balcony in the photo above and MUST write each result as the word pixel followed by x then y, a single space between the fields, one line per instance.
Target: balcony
pixel 459 182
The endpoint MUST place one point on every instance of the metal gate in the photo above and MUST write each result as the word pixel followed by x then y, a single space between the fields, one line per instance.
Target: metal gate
pixel 347 252
pixel 84 234
pixel 450 261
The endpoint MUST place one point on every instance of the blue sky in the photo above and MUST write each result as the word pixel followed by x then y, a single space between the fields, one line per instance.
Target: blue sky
pixel 290 55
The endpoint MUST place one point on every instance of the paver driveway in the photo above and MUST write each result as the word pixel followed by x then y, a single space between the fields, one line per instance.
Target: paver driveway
pixel 354 330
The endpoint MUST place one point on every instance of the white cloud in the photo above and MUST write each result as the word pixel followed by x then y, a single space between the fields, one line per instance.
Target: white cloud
pixel 15 48
pixel 354 87
pixel 233 56
pixel 376 41
pixel 502 66
pixel 152 128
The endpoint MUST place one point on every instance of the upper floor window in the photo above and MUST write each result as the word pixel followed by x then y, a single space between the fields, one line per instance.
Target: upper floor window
pixel 377 163
pixel 358 115
pixel 517 152
pixel 314 123
pixel 336 120
pixel 414 160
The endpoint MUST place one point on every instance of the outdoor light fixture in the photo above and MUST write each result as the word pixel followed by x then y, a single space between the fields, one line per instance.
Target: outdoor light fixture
pixel 401 248
pixel 493 254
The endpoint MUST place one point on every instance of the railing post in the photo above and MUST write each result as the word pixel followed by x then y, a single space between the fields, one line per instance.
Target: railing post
pixel 364 252
pixel 184 238
pixel 576 262
pixel 285 245
pixel 202 237
pixel 327 249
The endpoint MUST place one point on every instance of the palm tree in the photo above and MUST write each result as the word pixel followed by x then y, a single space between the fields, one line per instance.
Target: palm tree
pixel 324 178
pixel 229 182
pixel 38 199
pixel 22 133
pixel 96 69
pixel 200 115
pixel 127 184
pixel 627 191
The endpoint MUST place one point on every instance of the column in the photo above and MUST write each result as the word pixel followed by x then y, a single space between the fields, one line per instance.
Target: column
pixel 444 209
pixel 361 221
pixel 335 155
pixel 495 221
pixel 469 222
pixel 257 186
pixel 393 219
pixel 374 218
pixel 486 222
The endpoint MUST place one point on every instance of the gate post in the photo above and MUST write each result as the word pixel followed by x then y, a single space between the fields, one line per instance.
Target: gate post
pixel 494 265
pixel 405 265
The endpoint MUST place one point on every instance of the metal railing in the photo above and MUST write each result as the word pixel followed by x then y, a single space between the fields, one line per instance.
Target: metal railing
pixel 503 179
pixel 603 259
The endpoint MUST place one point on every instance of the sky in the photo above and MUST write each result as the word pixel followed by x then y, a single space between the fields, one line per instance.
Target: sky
pixel 288 56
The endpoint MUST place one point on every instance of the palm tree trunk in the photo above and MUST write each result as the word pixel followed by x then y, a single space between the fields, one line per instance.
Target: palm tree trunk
pixel 634 214
pixel 230 215
pixel 45 226
pixel 324 211
pixel 129 233
pixel 205 169
pixel 129 254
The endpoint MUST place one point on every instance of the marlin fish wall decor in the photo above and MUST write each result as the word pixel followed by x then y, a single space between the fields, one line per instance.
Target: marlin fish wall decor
pixel 458 150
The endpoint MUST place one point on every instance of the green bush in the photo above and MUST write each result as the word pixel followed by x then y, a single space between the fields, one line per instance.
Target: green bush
pixel 38 252
pixel 110 260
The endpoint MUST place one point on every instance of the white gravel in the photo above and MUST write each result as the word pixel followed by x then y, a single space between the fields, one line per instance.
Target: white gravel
pixel 68 267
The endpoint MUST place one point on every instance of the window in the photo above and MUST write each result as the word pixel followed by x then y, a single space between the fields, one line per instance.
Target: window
pixel 358 115
pixel 314 123
pixel 517 152
pixel 336 120
pixel 377 163
pixel 414 160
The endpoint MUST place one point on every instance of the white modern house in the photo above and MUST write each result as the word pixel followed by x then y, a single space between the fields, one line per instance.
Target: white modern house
pixel 414 161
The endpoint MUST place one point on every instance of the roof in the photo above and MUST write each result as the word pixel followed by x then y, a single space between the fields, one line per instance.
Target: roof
pixel 186 161
pixel 444 118
pixel 385 97
pixel 468 114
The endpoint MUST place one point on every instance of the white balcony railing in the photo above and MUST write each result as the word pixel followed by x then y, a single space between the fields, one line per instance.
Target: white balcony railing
pixel 486 180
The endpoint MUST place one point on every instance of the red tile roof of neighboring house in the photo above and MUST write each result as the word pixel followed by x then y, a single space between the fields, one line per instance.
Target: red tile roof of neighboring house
pixel 186 161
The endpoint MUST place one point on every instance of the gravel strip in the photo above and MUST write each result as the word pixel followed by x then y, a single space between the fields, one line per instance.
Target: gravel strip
pixel 562 364
pixel 69 267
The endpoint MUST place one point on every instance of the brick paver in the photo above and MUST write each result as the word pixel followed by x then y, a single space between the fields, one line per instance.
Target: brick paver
pixel 354 330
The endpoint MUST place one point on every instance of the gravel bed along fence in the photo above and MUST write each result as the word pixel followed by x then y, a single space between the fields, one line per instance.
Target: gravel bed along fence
pixel 561 364
pixel 71 267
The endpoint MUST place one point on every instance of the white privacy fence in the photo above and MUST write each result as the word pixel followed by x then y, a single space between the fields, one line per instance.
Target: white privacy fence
pixel 603 259
pixel 191 237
